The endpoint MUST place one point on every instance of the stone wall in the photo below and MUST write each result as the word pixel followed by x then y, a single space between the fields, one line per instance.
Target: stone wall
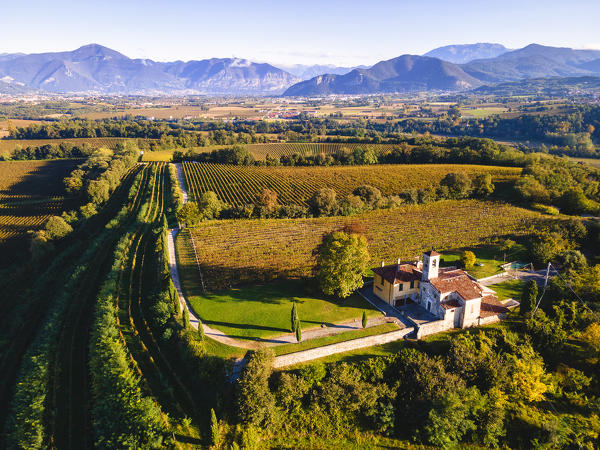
pixel 434 327
pixel 341 347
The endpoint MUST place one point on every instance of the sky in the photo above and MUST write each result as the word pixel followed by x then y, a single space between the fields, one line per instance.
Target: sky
pixel 338 32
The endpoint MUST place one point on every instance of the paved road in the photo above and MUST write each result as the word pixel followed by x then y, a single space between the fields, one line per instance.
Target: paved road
pixel 538 275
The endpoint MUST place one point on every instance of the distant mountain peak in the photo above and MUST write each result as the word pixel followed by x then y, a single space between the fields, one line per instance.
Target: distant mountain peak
pixel 464 53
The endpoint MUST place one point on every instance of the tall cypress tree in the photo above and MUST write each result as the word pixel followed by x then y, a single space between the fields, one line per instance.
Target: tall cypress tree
pixel 186 318
pixel 529 298
pixel 298 332
pixel 214 428
pixel 294 317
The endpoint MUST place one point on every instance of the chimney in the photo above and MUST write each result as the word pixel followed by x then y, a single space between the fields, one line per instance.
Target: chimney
pixel 398 262
pixel 382 263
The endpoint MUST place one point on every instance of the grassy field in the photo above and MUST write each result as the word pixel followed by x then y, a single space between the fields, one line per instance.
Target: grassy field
pixel 263 311
pixel 509 289
pixel 238 185
pixel 30 192
pixel 244 251
pixel 481 112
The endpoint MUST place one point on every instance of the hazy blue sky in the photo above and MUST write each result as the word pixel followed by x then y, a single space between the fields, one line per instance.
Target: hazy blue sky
pixel 339 32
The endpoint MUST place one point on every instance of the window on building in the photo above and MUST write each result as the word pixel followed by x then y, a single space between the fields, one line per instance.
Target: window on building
pixel 412 284
pixel 401 287
pixel 381 281
pixel 433 262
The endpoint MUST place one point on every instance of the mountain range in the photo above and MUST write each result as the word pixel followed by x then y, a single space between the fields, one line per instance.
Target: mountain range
pixel 425 73
pixel 94 68
pixel 97 69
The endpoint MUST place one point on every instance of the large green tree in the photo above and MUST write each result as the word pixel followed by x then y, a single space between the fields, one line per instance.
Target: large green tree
pixel 341 263
pixel 209 205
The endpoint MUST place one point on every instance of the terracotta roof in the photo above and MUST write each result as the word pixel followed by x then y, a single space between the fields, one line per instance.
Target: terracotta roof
pixel 396 273
pixel 457 281
pixel 432 252
pixel 490 306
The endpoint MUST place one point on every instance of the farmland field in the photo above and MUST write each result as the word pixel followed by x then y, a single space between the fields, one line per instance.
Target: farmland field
pixel 30 192
pixel 238 185
pixel 8 145
pixel 233 252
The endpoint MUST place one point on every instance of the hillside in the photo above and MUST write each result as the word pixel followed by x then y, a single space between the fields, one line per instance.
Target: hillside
pixel 402 74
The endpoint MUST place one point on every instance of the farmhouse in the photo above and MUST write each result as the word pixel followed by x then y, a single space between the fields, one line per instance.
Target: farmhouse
pixel 449 293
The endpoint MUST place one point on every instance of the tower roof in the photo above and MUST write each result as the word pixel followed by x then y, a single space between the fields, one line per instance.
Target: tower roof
pixel 432 252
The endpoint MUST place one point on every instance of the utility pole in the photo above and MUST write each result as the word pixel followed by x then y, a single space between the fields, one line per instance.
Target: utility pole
pixel 544 291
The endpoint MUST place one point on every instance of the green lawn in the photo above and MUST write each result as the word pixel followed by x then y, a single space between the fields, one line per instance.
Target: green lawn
pixel 509 289
pixel 263 311
pixel 491 256
pixel 327 340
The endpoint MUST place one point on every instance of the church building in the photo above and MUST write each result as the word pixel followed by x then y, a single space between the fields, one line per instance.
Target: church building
pixel 449 293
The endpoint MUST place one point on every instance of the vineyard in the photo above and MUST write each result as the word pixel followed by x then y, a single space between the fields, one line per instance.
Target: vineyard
pixel 260 151
pixel 234 252
pixel 8 145
pixel 30 192
pixel 239 185
pixel 277 150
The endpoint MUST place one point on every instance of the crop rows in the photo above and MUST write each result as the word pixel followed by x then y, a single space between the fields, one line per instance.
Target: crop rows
pixel 30 192
pixel 8 145
pixel 238 185
pixel 233 251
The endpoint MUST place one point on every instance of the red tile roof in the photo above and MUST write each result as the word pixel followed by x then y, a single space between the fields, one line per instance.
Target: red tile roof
pixel 458 281
pixel 432 253
pixel 490 306
pixel 396 273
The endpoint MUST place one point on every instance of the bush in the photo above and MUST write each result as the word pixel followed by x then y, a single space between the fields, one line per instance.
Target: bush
pixel 457 184
pixel 324 203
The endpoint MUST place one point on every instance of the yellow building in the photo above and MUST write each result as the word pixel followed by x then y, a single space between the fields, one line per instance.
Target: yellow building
pixel 397 283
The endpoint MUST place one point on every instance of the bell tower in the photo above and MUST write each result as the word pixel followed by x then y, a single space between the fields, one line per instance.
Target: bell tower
pixel 431 264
